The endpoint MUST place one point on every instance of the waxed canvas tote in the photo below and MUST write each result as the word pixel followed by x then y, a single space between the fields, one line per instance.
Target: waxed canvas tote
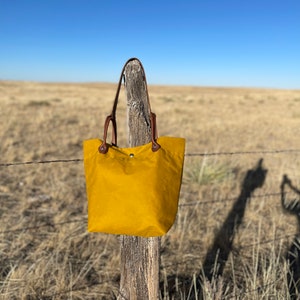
pixel 133 191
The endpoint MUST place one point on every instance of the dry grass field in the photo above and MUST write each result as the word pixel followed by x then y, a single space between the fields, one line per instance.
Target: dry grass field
pixel 230 205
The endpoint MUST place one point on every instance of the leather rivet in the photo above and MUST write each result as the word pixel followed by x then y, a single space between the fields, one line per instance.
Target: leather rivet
pixel 131 155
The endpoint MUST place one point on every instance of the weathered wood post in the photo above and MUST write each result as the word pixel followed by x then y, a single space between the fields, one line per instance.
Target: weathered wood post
pixel 140 257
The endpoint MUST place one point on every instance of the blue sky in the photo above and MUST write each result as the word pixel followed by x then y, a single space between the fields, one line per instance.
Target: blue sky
pixel 208 43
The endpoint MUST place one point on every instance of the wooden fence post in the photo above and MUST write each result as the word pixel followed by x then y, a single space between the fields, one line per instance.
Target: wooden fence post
pixel 140 257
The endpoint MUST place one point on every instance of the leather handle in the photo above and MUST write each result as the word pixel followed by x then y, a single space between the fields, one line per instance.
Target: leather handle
pixel 103 148
pixel 112 117
pixel 155 145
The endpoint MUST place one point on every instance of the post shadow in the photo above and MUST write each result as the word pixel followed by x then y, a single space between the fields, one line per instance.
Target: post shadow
pixel 218 253
pixel 293 254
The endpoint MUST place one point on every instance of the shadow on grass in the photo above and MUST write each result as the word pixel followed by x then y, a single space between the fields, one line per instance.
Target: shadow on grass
pixel 293 254
pixel 217 255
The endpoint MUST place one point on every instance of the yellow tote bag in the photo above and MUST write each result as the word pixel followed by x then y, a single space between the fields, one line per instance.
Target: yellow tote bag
pixel 133 191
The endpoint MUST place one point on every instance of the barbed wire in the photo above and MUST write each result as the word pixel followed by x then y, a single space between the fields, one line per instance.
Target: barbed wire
pixel 229 153
pixel 286 236
pixel 276 151
pixel 227 199
pixel 183 205
pixel 240 247
pixel 85 220
pixel 40 162
pixel 40 226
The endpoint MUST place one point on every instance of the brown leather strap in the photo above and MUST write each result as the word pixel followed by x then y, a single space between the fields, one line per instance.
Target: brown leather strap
pixel 112 117
pixel 113 112
pixel 104 147
pixel 155 145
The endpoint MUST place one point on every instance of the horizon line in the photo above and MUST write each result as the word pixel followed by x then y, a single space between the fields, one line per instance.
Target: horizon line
pixel 154 84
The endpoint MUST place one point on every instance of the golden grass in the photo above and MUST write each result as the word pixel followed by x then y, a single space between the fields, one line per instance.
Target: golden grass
pixel 45 250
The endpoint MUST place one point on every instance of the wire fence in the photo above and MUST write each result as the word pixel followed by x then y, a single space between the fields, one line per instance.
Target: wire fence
pixel 182 205
pixel 229 153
